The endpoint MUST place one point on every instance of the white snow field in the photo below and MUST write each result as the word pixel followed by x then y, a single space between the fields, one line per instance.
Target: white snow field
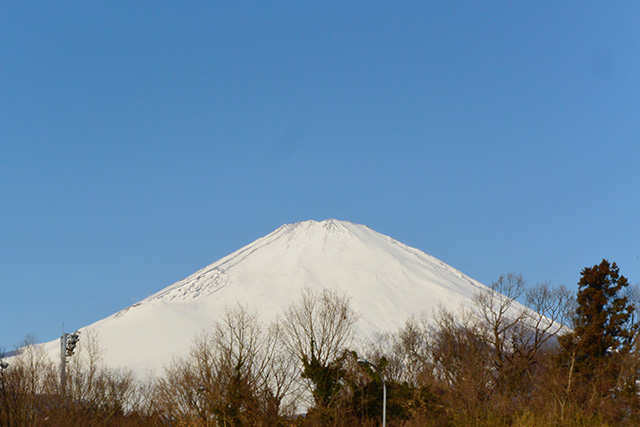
pixel 385 280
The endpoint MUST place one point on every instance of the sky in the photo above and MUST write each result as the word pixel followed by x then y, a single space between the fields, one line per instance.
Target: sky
pixel 142 141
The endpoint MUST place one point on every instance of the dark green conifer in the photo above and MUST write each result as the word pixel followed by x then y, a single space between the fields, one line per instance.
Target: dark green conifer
pixel 603 314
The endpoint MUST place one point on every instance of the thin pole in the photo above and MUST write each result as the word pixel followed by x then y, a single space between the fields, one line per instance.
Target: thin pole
pixel 63 362
pixel 384 390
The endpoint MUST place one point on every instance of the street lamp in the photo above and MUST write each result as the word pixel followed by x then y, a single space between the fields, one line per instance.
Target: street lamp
pixel 384 389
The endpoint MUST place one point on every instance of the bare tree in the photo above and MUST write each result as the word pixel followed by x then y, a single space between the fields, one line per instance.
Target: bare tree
pixel 237 374
pixel 632 293
pixel 498 309
pixel 518 334
pixel 462 364
pixel 413 346
pixel 96 390
pixel 177 395
pixel 29 376
pixel 319 329
pixel 239 349
pixel 280 388
pixel 549 311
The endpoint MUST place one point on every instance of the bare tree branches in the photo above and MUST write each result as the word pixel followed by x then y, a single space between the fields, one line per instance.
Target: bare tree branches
pixel 319 329
pixel 237 374
pixel 319 326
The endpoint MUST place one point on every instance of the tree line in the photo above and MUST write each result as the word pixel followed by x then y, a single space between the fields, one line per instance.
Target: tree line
pixel 520 356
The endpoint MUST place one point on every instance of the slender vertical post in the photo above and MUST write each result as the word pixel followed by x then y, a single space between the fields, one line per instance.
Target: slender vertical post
pixel 63 362
pixel 384 390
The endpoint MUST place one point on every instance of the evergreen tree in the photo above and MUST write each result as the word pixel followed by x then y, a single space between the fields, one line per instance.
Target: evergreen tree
pixel 603 314
pixel 601 368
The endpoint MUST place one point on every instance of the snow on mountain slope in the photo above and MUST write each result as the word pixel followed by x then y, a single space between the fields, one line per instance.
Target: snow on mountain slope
pixel 385 280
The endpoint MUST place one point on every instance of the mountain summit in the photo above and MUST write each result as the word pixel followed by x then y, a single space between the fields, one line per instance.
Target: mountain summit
pixel 385 280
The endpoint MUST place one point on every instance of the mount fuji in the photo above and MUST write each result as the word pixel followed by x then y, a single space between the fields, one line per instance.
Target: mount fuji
pixel 385 280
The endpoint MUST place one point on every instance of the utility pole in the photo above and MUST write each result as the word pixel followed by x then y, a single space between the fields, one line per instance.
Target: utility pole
pixel 63 361
pixel 68 343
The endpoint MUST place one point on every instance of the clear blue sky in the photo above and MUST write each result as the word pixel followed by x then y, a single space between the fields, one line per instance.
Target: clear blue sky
pixel 141 141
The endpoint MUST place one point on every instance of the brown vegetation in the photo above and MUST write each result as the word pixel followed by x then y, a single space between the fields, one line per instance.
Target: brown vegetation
pixel 495 364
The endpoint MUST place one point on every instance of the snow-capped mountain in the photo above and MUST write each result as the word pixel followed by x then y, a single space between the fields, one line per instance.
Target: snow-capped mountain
pixel 385 280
